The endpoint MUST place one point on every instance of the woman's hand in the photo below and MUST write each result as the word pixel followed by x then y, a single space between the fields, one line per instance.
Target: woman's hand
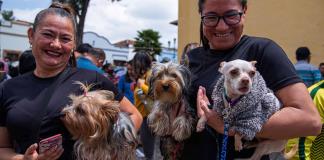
pixel 202 100
pixel 213 118
pixel 51 154
pixel 140 82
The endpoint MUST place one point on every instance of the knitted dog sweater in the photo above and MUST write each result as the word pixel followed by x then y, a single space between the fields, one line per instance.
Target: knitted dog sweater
pixel 249 114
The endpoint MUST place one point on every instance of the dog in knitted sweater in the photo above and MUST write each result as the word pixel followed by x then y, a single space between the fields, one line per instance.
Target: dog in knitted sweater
pixel 245 103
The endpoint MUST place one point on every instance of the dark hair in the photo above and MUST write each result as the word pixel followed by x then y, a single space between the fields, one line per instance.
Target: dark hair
pixel 302 53
pixel 26 62
pixel 203 39
pixel 83 48
pixel 321 64
pixel 202 2
pixel 127 75
pixel 141 63
pixel 2 65
pixel 56 8
pixel 101 52
pixel 95 53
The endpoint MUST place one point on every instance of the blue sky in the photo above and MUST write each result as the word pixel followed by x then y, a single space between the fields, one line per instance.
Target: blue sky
pixel 116 21
pixel 24 4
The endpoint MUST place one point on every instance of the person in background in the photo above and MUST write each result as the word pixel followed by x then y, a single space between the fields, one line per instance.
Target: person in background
pixel 184 57
pixel 165 60
pixel 89 60
pixel 81 49
pixel 6 68
pixel 13 68
pixel 31 104
pixel 101 58
pixel 26 62
pixel 311 147
pixel 221 29
pixel 141 65
pixel 126 81
pixel 3 74
pixel 306 71
pixel 109 72
pixel 321 68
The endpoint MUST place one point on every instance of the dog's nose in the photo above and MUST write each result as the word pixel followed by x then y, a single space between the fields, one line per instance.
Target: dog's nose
pixel 245 81
pixel 165 87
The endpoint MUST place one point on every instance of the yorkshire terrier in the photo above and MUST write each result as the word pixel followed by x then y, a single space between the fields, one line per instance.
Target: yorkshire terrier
pixel 245 103
pixel 101 131
pixel 169 84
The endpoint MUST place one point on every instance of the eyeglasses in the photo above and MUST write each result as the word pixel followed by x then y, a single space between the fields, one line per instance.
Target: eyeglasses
pixel 230 19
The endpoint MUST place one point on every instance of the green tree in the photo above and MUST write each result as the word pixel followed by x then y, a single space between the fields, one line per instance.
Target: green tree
pixel 80 8
pixel 148 41
pixel 8 15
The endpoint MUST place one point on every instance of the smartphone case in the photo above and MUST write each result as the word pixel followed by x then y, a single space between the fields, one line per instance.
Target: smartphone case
pixel 50 142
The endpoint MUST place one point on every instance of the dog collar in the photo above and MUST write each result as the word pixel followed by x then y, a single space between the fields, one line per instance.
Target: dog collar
pixel 231 102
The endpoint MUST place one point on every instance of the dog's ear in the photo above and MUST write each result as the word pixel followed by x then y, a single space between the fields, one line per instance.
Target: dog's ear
pixel 253 63
pixel 221 66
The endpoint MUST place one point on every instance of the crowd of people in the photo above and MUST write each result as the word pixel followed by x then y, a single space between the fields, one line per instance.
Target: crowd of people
pixel 31 100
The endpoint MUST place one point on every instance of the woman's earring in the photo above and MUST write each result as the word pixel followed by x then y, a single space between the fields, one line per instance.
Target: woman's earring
pixel 30 46
pixel 71 53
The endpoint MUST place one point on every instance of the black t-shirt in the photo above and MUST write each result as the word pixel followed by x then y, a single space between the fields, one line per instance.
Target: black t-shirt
pixel 272 63
pixel 20 108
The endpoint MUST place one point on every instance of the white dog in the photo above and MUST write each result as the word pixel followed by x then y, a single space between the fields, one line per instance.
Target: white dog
pixel 245 103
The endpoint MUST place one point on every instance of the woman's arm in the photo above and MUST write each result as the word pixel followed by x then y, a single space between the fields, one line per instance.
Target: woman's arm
pixel 128 107
pixel 8 153
pixel 6 150
pixel 298 118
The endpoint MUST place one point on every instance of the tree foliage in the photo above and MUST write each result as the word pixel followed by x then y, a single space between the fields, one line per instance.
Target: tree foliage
pixel 80 8
pixel 148 41
pixel 8 15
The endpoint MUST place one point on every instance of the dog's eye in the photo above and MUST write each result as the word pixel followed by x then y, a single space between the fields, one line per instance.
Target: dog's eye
pixel 234 72
pixel 174 75
pixel 252 73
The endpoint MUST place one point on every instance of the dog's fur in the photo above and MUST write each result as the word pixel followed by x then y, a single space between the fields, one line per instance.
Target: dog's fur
pixel 255 104
pixel 169 84
pixel 101 131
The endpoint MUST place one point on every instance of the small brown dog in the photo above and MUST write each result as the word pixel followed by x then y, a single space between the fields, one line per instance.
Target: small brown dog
pixel 169 85
pixel 101 131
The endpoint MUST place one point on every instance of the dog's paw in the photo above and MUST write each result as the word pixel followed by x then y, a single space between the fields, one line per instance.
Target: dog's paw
pixel 201 124
pixel 238 142
pixel 181 128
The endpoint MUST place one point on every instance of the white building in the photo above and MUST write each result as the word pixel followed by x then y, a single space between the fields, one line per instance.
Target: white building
pixel 13 38
pixel 113 53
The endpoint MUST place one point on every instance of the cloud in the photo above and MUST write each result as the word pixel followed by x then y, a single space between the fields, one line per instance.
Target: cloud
pixel 121 20
pixel 26 14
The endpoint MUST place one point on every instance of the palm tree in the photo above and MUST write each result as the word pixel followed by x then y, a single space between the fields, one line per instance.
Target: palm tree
pixel 8 15
pixel 148 41
pixel 80 9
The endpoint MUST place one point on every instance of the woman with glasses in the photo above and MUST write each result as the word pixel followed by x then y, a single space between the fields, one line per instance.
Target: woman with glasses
pixel 221 29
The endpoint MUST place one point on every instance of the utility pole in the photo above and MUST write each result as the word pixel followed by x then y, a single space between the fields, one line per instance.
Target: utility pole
pixel 0 5
pixel 174 51
pixel 0 26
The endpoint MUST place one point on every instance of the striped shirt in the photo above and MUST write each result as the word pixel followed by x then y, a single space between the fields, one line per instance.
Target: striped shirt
pixel 311 147
pixel 308 73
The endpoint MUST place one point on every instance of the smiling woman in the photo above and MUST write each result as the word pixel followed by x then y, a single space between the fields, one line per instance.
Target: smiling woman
pixel 31 104
pixel 221 32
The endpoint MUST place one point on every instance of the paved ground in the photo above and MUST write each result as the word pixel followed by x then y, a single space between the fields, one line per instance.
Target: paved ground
pixel 157 153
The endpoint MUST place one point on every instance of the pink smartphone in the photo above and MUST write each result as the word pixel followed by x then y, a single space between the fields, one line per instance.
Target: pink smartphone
pixel 50 142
